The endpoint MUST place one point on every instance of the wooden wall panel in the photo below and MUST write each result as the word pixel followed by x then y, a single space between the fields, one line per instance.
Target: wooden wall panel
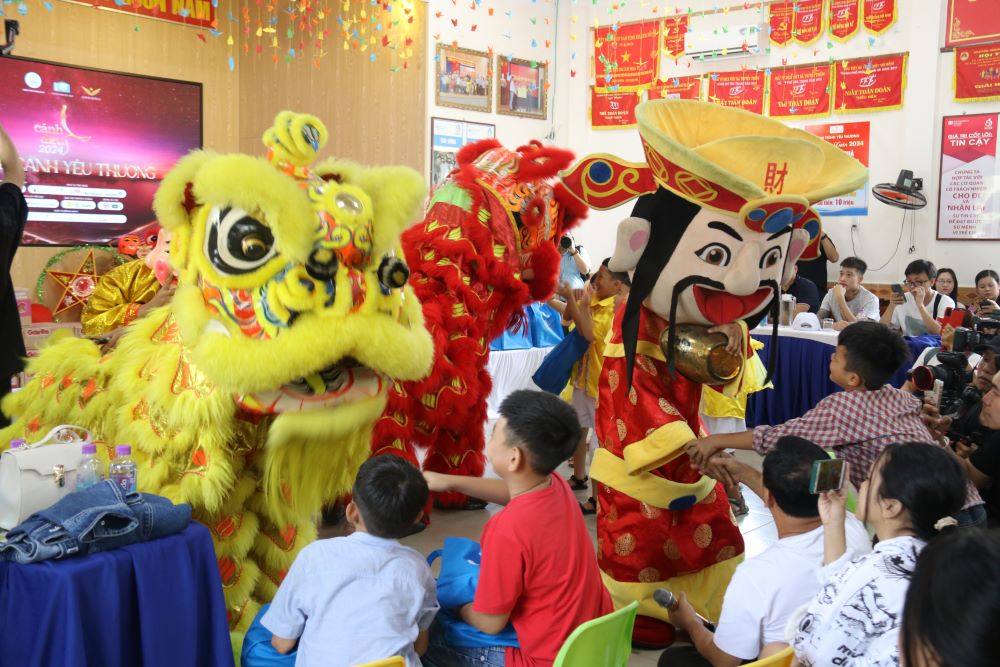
pixel 78 35
pixel 374 116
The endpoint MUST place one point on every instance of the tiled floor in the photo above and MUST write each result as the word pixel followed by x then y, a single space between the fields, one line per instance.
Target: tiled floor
pixel 757 528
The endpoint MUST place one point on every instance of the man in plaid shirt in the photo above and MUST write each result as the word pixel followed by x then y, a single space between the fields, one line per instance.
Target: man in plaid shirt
pixel 857 423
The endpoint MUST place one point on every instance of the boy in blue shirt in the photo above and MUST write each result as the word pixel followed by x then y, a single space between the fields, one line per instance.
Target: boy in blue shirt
pixel 364 597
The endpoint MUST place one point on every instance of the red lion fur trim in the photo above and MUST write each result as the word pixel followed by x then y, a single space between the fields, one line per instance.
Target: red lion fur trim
pixel 573 210
pixel 539 162
pixel 545 261
pixel 468 154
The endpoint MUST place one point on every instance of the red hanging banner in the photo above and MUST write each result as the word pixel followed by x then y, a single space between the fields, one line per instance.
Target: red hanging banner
pixel 972 22
pixel 740 89
pixel 880 15
pixel 194 13
pixel 780 22
pixel 677 88
pixel 844 19
pixel 870 84
pixel 808 21
pixel 612 111
pixel 800 92
pixel 977 73
pixel 627 59
pixel 674 31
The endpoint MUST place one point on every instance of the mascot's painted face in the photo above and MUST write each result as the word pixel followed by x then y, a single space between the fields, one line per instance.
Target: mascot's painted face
pixel 290 293
pixel 158 259
pixel 724 271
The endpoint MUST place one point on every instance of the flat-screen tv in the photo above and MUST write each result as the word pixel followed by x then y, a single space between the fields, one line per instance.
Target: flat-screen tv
pixel 95 145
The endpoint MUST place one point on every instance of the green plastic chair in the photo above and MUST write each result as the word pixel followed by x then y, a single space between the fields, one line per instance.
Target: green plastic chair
pixel 602 642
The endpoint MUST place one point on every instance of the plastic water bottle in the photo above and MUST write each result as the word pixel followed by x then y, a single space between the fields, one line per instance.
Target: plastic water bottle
pixel 123 470
pixel 91 471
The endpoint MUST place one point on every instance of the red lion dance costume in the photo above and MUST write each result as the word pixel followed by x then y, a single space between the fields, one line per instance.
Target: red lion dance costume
pixel 485 250
pixel 724 212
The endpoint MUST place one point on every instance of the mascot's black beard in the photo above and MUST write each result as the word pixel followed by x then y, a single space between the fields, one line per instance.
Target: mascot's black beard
pixel 751 321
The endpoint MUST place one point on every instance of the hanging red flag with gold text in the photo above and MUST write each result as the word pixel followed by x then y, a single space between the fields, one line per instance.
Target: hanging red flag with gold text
pixel 800 92
pixel 870 84
pixel 743 89
pixel 674 31
pixel 844 19
pixel 627 56
pixel 781 18
pixel 677 88
pixel 808 21
pixel 880 15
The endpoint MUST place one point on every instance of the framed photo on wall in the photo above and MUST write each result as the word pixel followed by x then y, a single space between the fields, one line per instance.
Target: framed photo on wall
pixel 522 85
pixel 447 138
pixel 464 79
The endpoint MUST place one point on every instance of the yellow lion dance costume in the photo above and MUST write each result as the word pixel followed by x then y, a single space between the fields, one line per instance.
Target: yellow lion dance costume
pixel 253 395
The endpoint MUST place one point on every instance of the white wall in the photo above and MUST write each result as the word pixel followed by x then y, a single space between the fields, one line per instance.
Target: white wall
pixel 908 138
pixel 508 35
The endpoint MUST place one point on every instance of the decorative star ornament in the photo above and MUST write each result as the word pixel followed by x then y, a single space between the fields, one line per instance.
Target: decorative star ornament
pixel 77 285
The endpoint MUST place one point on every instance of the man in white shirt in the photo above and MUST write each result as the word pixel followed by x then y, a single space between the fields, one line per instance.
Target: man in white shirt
pixel 849 301
pixel 916 313
pixel 766 590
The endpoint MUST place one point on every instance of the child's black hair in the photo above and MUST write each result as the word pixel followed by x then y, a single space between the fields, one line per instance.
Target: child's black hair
pixel 390 494
pixel 874 352
pixel 786 472
pixel 543 425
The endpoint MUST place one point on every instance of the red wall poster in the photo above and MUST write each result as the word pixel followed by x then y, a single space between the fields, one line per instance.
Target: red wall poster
pixel 627 56
pixel 977 73
pixel 677 88
pixel 853 139
pixel 613 111
pixel 844 19
pixel 800 92
pixel 968 203
pixel 870 84
pixel 740 89
pixel 972 22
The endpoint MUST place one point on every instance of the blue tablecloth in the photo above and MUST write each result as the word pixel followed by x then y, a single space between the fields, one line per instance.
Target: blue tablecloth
pixel 150 604
pixel 802 378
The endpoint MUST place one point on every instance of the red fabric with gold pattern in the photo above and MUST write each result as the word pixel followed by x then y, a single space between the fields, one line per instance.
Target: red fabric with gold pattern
pixel 638 542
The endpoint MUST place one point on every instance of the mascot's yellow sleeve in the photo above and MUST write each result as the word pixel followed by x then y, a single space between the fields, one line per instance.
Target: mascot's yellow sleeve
pixel 117 297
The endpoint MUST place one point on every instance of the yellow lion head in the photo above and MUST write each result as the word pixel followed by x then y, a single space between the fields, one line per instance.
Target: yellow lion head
pixel 292 292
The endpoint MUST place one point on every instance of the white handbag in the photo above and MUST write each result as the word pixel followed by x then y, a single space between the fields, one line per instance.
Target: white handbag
pixel 35 476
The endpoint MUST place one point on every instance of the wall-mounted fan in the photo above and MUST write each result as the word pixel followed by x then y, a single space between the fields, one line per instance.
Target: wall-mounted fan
pixel 904 193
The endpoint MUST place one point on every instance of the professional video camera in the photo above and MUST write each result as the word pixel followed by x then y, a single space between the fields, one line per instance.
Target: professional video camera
pixel 966 340
pixel 957 394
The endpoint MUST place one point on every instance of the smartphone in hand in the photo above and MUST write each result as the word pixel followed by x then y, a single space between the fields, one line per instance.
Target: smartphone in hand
pixel 934 395
pixel 898 290
pixel 827 475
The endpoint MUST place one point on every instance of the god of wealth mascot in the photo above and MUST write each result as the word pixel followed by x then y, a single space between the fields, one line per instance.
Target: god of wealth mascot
pixel 484 250
pixel 253 394
pixel 724 211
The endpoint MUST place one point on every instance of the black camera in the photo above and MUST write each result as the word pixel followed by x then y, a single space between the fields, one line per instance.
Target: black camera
pixel 566 242
pixel 967 340
pixel 954 372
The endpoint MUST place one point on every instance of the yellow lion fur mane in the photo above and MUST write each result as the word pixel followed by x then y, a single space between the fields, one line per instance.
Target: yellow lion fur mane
pixel 184 384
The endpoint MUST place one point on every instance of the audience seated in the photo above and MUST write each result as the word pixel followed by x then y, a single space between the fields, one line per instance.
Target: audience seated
pixel 766 590
pixel 907 499
pixel 804 290
pixel 952 612
pixel 539 568
pixel 849 301
pixel 982 463
pixel 355 599
pixel 987 291
pixel 916 312
pixel 815 270
pixel 947 284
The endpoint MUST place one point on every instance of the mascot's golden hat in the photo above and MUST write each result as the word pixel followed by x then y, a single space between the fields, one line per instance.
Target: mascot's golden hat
pixel 757 169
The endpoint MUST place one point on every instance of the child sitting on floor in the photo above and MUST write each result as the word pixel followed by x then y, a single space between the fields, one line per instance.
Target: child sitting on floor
pixel 364 597
pixel 539 569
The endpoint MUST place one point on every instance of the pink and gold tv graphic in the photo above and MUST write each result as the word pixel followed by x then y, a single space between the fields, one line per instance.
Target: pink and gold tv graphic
pixel 95 146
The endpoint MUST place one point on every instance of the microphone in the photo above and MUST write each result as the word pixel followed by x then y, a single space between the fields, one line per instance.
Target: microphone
pixel 669 601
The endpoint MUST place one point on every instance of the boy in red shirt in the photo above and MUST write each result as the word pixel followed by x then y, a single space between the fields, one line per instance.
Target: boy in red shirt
pixel 539 569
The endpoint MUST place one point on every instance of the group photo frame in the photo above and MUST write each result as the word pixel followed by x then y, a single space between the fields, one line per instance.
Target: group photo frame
pixel 521 87
pixel 464 79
